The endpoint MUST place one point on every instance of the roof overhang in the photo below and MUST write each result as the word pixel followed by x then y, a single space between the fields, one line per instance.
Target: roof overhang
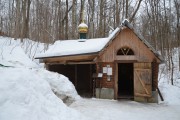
pixel 70 59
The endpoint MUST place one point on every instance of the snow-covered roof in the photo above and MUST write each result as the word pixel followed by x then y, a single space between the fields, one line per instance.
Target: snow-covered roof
pixel 77 47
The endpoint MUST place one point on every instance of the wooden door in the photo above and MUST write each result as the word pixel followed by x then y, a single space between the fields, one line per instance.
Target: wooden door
pixel 142 81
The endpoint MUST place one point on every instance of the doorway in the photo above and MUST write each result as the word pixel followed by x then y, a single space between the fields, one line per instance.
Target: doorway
pixel 125 81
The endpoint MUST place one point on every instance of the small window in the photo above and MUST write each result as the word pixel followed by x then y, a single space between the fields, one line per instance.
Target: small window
pixel 125 51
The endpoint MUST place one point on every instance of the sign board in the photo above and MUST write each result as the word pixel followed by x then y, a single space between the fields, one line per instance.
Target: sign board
pixel 100 74
pixel 109 71
pixel 104 69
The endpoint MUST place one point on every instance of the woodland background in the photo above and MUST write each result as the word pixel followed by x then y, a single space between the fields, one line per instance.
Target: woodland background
pixel 50 20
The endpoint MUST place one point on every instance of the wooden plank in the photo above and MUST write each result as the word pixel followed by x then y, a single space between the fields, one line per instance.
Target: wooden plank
pixel 144 69
pixel 70 63
pixel 142 83
pixel 125 57
pixel 92 62
pixel 142 95
pixel 142 79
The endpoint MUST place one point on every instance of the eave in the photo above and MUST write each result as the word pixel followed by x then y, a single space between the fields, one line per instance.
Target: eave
pixel 70 59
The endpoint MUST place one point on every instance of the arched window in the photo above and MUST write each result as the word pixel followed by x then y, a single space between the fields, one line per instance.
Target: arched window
pixel 125 51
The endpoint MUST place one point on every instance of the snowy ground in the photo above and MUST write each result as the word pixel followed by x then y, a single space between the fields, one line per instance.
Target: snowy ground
pixel 29 92
pixel 98 109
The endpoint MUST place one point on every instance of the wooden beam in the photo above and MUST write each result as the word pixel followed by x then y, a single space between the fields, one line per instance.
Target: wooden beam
pixel 126 57
pixel 71 63
pixel 70 58
pixel 142 95
pixel 91 62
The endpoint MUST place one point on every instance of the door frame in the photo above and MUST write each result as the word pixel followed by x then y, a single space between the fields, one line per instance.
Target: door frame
pixel 116 76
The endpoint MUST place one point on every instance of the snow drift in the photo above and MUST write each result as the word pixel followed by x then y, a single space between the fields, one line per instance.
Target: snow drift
pixel 60 85
pixel 26 96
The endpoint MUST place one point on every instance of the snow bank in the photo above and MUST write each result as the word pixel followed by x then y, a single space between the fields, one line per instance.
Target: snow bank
pixel 60 85
pixel 26 96
pixel 15 56
pixel 171 93
pixel 26 91
pixel 14 50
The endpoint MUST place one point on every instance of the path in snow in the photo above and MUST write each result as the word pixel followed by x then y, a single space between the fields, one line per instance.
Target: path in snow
pixel 99 109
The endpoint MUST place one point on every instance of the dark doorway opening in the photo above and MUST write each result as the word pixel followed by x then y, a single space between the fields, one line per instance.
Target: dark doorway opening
pixel 125 81
pixel 79 74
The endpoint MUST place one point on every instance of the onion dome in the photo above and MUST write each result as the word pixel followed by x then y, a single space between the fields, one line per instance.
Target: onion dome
pixel 83 28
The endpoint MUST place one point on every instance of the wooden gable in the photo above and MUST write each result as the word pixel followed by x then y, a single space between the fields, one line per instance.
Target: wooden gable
pixel 127 38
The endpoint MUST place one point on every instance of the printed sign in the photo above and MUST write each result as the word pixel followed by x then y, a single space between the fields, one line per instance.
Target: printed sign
pixel 104 69
pixel 109 71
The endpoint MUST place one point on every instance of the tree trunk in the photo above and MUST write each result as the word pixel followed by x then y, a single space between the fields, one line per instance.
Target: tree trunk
pixel 23 19
pixel 101 18
pixel 81 11
pixel 117 14
pixel 177 7
pixel 26 31
pixel 91 21
pixel 17 21
pixel 127 6
pixel 73 19
pixel 172 70
pixel 66 32
pixel 132 17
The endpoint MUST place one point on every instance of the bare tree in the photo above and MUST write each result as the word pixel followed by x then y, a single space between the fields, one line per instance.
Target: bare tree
pixel 177 7
pixel 137 8
pixel 73 19
pixel 66 27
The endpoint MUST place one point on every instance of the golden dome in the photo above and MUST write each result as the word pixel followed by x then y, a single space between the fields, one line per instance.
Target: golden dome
pixel 83 28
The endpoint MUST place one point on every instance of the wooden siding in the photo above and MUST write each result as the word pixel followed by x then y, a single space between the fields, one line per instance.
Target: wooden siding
pixel 127 38
pixel 103 82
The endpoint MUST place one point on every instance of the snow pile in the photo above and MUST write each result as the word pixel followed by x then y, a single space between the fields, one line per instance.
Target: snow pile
pixel 26 91
pixel 13 55
pixel 26 96
pixel 60 85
